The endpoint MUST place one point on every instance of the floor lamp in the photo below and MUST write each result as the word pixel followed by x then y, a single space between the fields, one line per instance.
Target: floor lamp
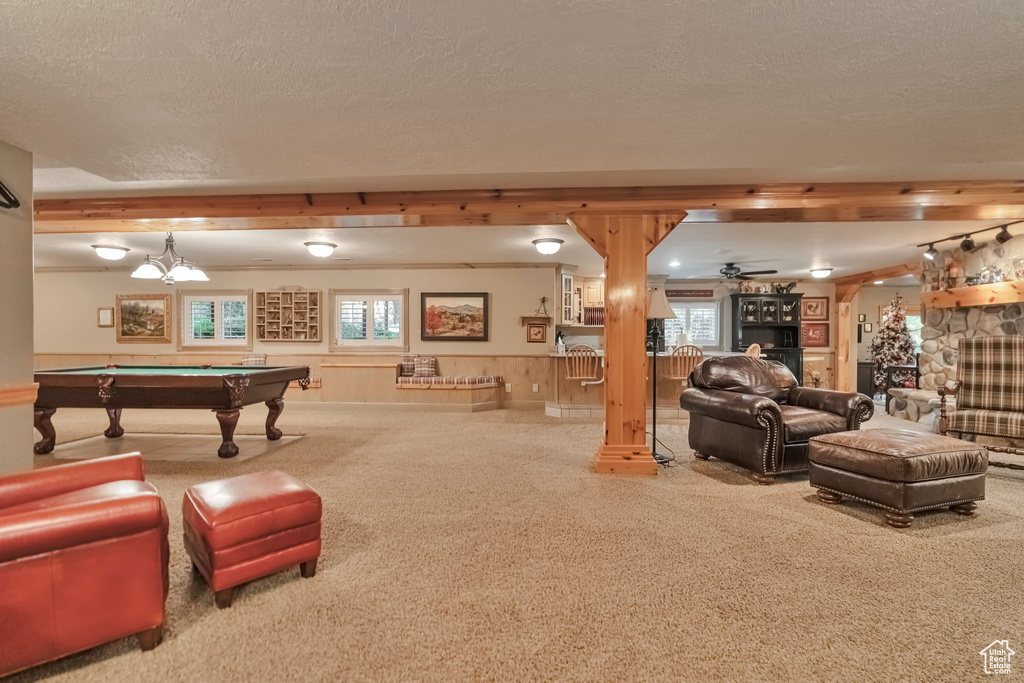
pixel 657 309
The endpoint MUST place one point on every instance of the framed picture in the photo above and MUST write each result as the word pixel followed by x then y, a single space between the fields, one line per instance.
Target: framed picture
pixel 869 328
pixel 143 318
pixel 104 317
pixel 814 335
pixel 454 316
pixel 862 318
pixel 536 333
pixel 814 308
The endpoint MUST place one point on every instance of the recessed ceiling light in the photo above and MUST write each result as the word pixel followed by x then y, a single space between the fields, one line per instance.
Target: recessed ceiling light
pixel 674 264
pixel 110 252
pixel 548 245
pixel 878 282
pixel 821 272
pixel 321 249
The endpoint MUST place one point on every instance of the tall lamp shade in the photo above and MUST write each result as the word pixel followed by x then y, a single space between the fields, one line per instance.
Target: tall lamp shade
pixel 657 304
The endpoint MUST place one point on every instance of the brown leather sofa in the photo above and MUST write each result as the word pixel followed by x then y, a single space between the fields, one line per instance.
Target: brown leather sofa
pixel 752 413
pixel 83 560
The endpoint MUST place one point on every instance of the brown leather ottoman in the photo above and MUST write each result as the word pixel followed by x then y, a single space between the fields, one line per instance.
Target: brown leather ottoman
pixel 898 470
pixel 247 527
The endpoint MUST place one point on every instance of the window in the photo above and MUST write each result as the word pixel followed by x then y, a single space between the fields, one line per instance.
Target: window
pixel 914 326
pixel 701 319
pixel 370 318
pixel 215 320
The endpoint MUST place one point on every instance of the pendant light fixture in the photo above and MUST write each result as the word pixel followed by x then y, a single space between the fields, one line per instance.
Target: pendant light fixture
pixel 176 270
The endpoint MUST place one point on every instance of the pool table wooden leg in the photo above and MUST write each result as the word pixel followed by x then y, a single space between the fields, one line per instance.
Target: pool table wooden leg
pixel 228 419
pixel 42 421
pixel 276 405
pixel 114 430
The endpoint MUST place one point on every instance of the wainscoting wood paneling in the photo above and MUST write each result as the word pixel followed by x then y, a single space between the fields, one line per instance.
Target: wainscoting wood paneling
pixel 364 378
pixel 371 378
pixel 572 393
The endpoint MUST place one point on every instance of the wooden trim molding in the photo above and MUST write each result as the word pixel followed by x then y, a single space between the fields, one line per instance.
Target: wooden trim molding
pixel 358 365
pixel 978 295
pixel 857 279
pixel 18 394
pixel 778 202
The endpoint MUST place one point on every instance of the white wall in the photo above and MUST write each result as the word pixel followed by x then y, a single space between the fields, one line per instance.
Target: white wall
pixel 16 307
pixel 66 304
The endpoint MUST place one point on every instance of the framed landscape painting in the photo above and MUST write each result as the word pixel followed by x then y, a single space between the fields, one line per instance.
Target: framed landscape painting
pixel 143 318
pixel 814 335
pixel 814 308
pixel 454 316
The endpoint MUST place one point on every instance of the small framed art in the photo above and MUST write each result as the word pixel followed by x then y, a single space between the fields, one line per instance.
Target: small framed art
pixel 104 317
pixel 536 333
pixel 814 308
pixel 814 335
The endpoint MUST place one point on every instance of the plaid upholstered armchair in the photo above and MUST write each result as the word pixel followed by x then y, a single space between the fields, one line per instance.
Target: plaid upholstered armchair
pixel 989 390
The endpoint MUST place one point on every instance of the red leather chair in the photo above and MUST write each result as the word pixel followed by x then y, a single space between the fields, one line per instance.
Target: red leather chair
pixel 83 560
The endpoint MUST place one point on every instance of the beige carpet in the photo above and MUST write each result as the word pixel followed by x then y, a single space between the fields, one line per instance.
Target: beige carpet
pixel 481 546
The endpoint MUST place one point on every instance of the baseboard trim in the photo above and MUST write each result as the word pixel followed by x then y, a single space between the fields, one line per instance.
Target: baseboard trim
pixel 394 407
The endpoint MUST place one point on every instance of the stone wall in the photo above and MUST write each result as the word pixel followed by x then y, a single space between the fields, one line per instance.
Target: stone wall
pixel 944 328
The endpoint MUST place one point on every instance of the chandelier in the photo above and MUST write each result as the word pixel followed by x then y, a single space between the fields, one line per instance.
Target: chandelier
pixel 177 270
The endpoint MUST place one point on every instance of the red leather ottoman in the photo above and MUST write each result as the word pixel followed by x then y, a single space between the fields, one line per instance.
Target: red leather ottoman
pixel 247 527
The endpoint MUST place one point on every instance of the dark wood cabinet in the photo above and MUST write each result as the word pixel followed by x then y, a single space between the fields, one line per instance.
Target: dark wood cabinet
pixel 866 378
pixel 773 321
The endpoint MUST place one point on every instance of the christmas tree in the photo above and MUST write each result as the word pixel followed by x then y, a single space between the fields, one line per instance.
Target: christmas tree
pixel 892 345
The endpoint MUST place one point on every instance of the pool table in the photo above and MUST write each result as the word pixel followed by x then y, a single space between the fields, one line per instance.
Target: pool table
pixel 222 389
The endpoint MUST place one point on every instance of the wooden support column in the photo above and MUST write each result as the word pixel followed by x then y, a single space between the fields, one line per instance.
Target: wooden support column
pixel 845 294
pixel 625 240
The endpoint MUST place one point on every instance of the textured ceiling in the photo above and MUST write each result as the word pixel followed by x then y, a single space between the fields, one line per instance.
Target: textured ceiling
pixel 700 249
pixel 374 94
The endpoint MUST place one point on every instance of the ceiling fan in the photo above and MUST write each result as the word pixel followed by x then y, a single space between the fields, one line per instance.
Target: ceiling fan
pixel 733 272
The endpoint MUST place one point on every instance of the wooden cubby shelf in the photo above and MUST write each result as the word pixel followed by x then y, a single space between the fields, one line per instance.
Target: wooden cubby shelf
pixel 288 315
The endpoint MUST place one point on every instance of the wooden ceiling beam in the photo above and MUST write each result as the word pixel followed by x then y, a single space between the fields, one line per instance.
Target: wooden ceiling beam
pixel 870 276
pixel 994 200
pixel 848 285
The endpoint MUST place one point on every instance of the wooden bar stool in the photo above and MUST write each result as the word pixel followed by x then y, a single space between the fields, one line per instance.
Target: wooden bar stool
pixel 682 362
pixel 582 363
